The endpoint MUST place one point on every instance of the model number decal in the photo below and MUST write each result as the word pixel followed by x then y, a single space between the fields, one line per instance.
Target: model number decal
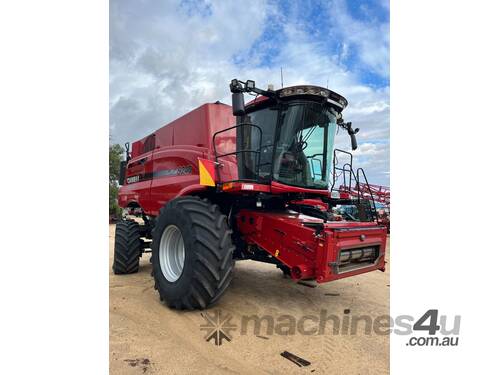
pixel 181 171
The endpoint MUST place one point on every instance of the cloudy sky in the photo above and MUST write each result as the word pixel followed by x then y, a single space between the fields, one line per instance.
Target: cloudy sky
pixel 169 57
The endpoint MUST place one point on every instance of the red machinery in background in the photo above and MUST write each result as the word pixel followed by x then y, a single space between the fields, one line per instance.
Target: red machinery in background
pixel 380 194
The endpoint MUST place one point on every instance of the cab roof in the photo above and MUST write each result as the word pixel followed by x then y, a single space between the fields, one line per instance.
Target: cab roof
pixel 293 92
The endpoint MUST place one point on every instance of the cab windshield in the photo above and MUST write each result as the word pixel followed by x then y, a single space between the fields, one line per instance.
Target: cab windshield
pixel 295 142
pixel 304 147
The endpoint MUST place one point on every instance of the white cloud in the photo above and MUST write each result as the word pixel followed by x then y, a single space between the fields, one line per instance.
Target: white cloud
pixel 370 149
pixel 166 59
pixel 371 39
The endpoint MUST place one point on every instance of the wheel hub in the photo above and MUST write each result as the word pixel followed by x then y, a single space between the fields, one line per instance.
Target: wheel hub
pixel 171 253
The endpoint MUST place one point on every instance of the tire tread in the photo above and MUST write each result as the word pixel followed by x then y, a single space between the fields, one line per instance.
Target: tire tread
pixel 128 248
pixel 213 247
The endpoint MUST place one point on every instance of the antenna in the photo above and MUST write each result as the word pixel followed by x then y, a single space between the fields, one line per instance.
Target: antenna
pixel 281 68
pixel 327 83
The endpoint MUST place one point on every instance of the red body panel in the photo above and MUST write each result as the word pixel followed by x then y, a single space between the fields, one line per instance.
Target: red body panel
pixel 313 202
pixel 285 236
pixel 137 192
pixel 277 188
pixel 170 169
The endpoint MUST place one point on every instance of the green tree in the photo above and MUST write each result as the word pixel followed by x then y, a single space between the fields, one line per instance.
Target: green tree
pixel 115 157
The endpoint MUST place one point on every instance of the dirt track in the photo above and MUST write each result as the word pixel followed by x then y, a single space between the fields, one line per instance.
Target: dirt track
pixel 148 338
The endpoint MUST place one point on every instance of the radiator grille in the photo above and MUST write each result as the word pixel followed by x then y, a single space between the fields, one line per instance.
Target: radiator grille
pixel 353 259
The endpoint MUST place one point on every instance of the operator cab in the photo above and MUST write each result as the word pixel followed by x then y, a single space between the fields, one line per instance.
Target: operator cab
pixel 287 136
pixel 296 146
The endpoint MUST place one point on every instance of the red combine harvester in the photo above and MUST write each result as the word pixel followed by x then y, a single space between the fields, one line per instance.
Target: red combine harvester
pixel 212 189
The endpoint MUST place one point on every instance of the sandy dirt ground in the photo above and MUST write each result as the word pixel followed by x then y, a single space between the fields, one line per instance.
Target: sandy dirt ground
pixel 146 337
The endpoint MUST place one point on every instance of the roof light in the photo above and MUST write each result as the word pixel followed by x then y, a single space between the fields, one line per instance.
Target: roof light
pixel 314 90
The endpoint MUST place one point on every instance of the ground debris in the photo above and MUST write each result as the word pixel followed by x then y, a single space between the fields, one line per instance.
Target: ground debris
pixel 144 362
pixel 332 294
pixel 295 359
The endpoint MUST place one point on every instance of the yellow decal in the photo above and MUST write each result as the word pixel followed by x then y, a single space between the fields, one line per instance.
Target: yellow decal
pixel 277 253
pixel 206 177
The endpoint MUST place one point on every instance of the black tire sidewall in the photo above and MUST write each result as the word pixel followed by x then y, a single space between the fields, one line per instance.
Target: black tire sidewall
pixel 177 289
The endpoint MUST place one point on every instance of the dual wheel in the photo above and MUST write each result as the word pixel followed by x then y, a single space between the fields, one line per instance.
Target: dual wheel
pixel 192 253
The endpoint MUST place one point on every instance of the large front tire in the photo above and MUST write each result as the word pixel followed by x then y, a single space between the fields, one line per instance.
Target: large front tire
pixel 192 253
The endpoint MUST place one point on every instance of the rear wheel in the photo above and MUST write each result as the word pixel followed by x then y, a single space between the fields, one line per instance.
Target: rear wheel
pixel 128 248
pixel 192 253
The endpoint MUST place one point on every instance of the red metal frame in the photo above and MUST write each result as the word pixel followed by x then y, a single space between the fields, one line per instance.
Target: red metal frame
pixel 287 237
